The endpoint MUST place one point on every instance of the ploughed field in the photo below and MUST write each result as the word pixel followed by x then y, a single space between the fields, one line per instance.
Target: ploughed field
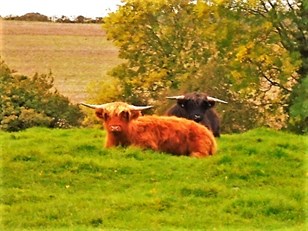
pixel 65 180
pixel 76 54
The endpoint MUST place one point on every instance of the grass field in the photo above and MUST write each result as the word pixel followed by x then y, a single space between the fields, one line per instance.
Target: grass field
pixel 76 54
pixel 66 180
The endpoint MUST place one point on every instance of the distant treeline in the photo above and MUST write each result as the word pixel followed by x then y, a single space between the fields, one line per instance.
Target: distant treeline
pixel 63 19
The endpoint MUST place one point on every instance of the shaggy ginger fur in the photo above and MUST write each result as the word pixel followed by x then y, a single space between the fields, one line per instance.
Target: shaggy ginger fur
pixel 173 135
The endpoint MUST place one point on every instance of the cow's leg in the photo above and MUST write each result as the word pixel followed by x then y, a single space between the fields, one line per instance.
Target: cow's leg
pixel 146 144
pixel 111 141
pixel 152 145
pixel 198 154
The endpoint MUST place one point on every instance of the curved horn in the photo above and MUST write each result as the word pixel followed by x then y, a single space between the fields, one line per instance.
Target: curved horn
pixel 139 108
pixel 176 97
pixel 215 99
pixel 93 106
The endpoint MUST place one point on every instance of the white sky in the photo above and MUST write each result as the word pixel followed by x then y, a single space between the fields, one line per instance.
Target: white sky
pixel 69 8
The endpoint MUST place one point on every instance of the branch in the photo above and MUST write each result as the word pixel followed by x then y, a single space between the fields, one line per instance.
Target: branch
pixel 291 7
pixel 273 83
pixel 294 78
pixel 276 84
pixel 273 5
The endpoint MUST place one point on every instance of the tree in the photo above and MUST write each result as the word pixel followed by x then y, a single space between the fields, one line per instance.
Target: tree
pixel 214 46
pixel 299 109
pixel 80 19
pixel 289 20
pixel 30 17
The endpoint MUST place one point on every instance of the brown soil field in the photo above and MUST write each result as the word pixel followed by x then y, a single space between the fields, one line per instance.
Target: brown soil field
pixel 76 54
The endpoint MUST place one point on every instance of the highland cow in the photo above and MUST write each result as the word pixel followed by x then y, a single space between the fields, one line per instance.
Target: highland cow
pixel 126 126
pixel 199 108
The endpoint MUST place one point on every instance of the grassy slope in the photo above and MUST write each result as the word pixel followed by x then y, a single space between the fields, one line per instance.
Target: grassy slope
pixel 76 54
pixel 65 180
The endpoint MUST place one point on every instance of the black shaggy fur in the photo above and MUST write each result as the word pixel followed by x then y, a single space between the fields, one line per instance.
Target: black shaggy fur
pixel 195 106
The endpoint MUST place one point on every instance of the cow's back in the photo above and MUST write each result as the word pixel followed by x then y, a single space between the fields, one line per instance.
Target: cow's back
pixel 174 135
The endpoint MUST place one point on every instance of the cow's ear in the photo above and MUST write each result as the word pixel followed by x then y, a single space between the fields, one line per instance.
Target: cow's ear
pixel 99 113
pixel 134 114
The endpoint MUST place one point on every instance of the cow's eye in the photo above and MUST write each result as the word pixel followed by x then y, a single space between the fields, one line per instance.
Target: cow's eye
pixel 106 116
pixel 208 104
pixel 182 105
pixel 125 115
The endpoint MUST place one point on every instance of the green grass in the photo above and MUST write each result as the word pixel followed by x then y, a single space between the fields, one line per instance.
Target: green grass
pixel 66 180
pixel 76 54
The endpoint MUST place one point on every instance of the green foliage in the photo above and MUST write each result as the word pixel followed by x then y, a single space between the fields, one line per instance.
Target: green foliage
pixel 153 40
pixel 228 48
pixel 289 20
pixel 27 102
pixel 255 182
pixel 299 109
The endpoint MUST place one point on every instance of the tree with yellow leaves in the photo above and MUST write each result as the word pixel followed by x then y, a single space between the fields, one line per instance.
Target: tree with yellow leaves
pixel 232 49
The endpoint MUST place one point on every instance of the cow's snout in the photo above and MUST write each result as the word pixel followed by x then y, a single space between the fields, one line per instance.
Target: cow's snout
pixel 115 128
pixel 197 117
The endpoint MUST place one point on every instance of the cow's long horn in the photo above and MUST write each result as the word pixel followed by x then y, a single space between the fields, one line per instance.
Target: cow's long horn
pixel 215 99
pixel 176 97
pixel 139 108
pixel 93 106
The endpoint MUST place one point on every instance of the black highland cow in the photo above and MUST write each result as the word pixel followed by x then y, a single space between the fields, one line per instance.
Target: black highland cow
pixel 198 107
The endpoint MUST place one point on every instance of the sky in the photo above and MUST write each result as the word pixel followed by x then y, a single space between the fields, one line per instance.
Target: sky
pixel 58 8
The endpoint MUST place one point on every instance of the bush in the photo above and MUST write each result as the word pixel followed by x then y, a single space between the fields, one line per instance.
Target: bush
pixel 27 118
pixel 28 102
